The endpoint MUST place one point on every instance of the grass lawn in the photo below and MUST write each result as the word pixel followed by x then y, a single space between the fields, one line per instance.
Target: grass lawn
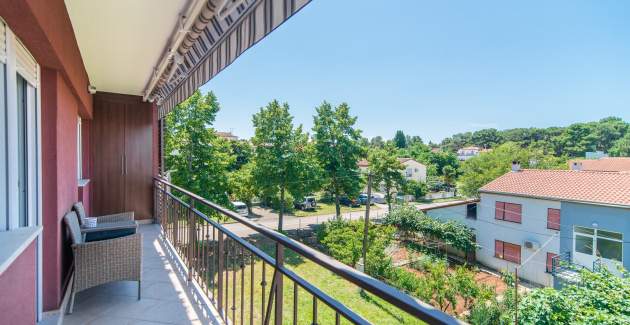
pixel 372 308
pixel 329 208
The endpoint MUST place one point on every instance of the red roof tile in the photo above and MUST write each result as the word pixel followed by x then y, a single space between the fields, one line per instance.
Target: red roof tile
pixel 584 186
pixel 609 164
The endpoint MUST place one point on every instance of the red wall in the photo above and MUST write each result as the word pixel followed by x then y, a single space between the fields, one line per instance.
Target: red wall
pixel 45 29
pixel 59 166
pixel 17 299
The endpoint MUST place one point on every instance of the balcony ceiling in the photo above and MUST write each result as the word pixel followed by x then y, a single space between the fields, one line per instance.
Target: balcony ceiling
pixel 121 41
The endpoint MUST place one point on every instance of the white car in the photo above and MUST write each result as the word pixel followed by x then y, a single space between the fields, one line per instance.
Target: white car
pixel 241 208
pixel 378 198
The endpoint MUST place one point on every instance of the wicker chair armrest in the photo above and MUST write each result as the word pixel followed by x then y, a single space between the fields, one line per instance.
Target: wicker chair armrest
pixel 109 260
pixel 116 217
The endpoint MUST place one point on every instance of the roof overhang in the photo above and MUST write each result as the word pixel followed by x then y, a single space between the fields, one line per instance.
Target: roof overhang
pixel 121 41
pixel 166 49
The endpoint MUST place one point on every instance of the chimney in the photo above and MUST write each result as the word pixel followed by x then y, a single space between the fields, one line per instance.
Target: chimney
pixel 576 165
pixel 516 166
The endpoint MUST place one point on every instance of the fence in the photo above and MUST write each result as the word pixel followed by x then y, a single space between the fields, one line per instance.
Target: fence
pixel 234 274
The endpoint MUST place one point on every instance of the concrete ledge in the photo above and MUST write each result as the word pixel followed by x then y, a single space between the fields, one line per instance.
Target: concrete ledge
pixel 14 242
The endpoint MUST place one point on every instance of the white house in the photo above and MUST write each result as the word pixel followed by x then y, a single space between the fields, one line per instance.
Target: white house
pixel 526 218
pixel 467 153
pixel 413 170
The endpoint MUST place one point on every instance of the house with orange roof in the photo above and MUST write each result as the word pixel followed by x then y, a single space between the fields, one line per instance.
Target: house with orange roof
pixel 538 221
pixel 605 164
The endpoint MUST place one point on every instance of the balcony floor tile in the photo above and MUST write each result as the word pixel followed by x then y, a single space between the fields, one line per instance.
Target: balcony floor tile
pixel 166 296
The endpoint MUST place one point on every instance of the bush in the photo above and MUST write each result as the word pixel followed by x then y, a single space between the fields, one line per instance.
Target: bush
pixel 343 240
pixel 415 188
pixel 410 220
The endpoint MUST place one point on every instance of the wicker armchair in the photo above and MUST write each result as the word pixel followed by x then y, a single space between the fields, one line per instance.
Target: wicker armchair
pixel 100 262
pixel 124 216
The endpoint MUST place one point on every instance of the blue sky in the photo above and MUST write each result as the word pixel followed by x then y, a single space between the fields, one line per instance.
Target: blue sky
pixel 434 68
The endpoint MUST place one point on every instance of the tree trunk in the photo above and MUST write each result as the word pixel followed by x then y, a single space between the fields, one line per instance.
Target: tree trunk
pixel 337 206
pixel 388 196
pixel 281 215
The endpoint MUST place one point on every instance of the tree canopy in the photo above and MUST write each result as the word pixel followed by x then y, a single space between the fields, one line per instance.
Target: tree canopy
pixel 196 158
pixel 480 170
pixel 338 148
pixel 284 161
pixel 386 170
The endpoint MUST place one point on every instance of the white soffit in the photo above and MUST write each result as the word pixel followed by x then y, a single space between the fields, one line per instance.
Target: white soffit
pixel 121 41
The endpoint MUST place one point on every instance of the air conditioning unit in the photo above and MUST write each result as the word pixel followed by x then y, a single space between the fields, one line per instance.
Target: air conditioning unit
pixel 533 245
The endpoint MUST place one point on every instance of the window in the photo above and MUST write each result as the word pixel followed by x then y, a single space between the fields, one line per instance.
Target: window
pixel 550 257
pixel 19 136
pixel 598 243
pixel 471 211
pixel 507 211
pixel 507 251
pixel 553 219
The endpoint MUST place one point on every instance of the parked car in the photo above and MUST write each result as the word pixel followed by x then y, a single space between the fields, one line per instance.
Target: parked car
pixel 308 203
pixel 241 208
pixel 350 202
pixel 363 199
pixel 379 198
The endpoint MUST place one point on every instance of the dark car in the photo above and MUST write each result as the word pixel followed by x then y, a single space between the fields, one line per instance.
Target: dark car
pixel 344 200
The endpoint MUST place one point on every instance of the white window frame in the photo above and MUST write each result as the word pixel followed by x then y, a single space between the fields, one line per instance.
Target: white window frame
pixel 17 60
pixel 594 238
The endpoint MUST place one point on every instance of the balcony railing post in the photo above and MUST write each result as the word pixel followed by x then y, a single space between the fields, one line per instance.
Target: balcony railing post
pixel 192 240
pixel 221 266
pixel 279 283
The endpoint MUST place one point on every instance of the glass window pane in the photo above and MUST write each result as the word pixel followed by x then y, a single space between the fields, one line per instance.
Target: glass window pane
pixel 609 249
pixel 584 230
pixel 584 244
pixel 22 151
pixel 609 234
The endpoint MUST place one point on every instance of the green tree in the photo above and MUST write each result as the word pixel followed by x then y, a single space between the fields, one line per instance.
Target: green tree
pixel 196 158
pixel 400 140
pixel 480 170
pixel 242 151
pixel 377 142
pixel 621 147
pixel 338 149
pixel 450 174
pixel 343 240
pixel 386 170
pixel 486 138
pixel 416 188
pixel 242 186
pixel 598 298
pixel 283 159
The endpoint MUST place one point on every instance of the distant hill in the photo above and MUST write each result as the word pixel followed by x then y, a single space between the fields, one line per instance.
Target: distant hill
pixel 611 135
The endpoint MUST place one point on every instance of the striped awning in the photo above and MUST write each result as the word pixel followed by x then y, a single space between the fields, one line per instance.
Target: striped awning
pixel 210 49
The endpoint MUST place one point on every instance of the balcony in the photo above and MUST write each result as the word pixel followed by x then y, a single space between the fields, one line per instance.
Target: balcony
pixel 197 271
pixel 167 297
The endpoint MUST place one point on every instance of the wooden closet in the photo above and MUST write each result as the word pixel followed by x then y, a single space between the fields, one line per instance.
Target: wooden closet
pixel 121 144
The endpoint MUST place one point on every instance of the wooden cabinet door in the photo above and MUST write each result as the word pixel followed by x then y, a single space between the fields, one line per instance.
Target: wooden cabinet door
pixel 108 149
pixel 139 160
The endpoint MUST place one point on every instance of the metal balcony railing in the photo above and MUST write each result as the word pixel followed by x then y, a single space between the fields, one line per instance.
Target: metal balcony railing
pixel 216 259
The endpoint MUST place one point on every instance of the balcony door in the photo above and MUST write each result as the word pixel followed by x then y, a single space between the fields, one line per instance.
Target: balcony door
pixel 591 245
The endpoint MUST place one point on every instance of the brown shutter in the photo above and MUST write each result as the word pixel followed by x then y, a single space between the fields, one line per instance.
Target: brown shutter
pixel 553 219
pixel 513 212
pixel 498 249
pixel 499 210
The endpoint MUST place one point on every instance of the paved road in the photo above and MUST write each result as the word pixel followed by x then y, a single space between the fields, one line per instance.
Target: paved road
pixel 270 219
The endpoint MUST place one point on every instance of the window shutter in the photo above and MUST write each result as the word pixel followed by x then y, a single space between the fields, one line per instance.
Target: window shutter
pixel 499 208
pixel 3 42
pixel 498 248
pixel 513 212
pixel 553 219
pixel 25 64
pixel 512 253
